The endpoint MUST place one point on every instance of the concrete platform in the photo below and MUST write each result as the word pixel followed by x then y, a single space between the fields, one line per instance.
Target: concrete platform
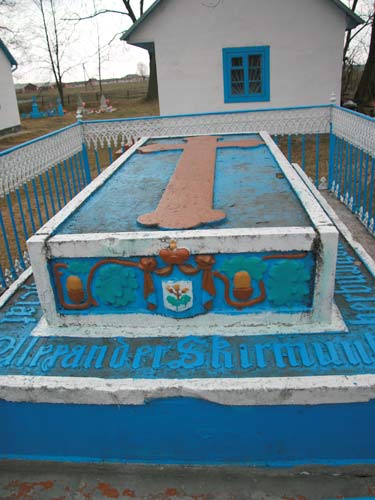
pixel 252 400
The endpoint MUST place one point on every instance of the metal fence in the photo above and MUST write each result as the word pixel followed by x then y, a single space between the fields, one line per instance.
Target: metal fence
pixel 335 147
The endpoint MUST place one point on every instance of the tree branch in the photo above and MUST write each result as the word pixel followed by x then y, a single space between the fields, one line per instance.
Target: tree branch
pixel 96 13
pixel 349 36
pixel 129 10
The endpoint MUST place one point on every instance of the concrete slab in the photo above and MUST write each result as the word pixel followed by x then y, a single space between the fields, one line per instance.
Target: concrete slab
pixel 33 481
pixel 357 229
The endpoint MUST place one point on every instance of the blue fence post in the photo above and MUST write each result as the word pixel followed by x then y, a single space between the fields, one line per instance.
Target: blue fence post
pixel 3 282
pixel 7 247
pixel 86 163
pixel 331 156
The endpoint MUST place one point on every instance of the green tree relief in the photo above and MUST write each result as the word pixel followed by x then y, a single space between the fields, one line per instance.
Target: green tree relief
pixel 288 283
pixel 253 265
pixel 116 285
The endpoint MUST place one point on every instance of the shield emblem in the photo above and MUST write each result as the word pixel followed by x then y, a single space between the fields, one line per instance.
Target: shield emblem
pixel 177 295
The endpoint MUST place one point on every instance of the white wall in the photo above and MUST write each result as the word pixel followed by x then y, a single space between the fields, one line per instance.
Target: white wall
pixel 9 116
pixel 305 39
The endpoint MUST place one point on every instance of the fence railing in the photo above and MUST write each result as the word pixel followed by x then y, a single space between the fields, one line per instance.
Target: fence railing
pixel 36 180
pixel 335 147
pixel 352 163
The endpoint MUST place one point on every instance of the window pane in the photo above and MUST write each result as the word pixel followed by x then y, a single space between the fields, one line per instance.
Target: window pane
pixel 237 82
pixel 254 74
pixel 238 88
pixel 237 61
pixel 254 61
pixel 255 88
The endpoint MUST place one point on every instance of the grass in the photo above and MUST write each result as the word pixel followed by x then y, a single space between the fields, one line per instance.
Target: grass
pixel 32 128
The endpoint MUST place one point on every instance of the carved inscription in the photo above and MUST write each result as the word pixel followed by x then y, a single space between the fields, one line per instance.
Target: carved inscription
pixel 353 286
pixel 185 355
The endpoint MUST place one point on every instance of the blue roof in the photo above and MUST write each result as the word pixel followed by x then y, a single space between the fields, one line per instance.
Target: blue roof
pixel 8 55
pixel 352 19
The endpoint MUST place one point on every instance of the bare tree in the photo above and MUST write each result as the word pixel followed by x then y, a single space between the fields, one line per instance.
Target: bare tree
pixel 57 41
pixel 142 70
pixel 132 9
pixel 365 94
pixel 356 44
pixel 52 38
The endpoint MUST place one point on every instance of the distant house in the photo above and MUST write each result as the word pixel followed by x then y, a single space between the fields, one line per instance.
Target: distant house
pixel 25 87
pixel 30 87
pixel 221 55
pixel 44 87
pixel 9 115
pixel 133 77
pixel 92 82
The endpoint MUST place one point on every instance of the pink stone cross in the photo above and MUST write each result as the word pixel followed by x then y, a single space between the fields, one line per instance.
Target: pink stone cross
pixel 187 201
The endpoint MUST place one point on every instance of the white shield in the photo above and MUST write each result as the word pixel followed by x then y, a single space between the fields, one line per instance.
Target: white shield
pixel 177 295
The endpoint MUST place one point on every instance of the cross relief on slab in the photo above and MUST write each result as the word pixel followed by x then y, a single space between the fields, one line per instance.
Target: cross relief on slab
pixel 187 201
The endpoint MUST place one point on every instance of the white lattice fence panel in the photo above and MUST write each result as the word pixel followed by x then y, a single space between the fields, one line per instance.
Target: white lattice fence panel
pixel 354 128
pixel 314 120
pixel 23 163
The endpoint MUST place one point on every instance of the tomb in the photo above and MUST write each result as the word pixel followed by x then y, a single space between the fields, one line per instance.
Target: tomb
pixel 210 233
pixel 184 309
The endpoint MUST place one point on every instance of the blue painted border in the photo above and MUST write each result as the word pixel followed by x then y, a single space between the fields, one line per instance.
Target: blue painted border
pixel 228 53
pixel 190 431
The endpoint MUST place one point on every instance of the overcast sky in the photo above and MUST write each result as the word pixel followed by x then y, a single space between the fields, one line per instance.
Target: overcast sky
pixel 79 40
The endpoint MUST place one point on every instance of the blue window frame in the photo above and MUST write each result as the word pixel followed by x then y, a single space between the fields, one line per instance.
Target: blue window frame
pixel 246 74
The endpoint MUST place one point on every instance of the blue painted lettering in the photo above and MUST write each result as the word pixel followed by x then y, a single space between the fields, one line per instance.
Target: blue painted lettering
pixel 324 355
pixel 50 361
pixel 371 341
pixel 140 354
pixel 362 319
pixel 97 352
pixel 42 351
pixel 353 289
pixel 157 361
pixel 289 352
pixel 27 351
pixel 222 355
pixel 192 355
pixel 259 354
pixel 120 355
pixel 245 357
pixel 74 358
pixel 332 350
pixel 356 353
pixel 13 346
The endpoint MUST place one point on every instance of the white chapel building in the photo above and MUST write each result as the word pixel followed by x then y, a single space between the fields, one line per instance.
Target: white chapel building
pixel 222 55
pixel 9 115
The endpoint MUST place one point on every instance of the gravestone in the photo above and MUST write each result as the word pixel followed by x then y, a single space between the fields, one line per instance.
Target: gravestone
pixel 188 313
pixel 226 230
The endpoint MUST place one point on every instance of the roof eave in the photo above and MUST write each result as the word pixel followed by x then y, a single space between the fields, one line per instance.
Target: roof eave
pixel 8 55
pixel 352 19
pixel 131 30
